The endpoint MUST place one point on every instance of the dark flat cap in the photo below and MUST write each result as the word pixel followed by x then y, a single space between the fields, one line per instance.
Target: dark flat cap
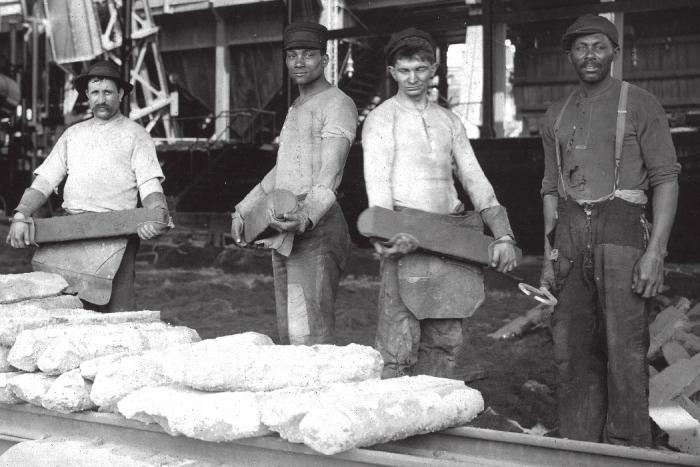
pixel 589 24
pixel 102 69
pixel 405 36
pixel 305 35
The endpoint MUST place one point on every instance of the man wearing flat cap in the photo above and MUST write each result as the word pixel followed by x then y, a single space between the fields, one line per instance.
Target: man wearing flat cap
pixel 314 144
pixel 606 145
pixel 108 162
pixel 413 148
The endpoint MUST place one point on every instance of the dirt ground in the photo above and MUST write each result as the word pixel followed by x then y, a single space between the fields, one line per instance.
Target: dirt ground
pixel 223 291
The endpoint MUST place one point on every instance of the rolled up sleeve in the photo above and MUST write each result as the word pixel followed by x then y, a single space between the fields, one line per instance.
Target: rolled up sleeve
pixel 657 147
pixel 550 180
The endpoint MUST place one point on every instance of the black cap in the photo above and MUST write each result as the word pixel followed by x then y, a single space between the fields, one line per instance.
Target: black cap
pixel 102 69
pixel 305 35
pixel 407 36
pixel 589 24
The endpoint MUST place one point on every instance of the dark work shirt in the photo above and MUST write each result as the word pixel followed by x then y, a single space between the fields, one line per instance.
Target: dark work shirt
pixel 587 143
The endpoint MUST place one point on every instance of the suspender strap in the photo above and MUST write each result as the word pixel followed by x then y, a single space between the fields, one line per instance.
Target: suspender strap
pixel 557 149
pixel 620 132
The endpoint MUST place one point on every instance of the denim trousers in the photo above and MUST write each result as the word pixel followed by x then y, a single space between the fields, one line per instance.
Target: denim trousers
pixel 306 282
pixel 410 346
pixel 600 326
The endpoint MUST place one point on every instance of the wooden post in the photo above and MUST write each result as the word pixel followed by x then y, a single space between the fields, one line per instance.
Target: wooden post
pixel 619 20
pixel 498 78
pixel 487 99
pixel 442 72
pixel 223 81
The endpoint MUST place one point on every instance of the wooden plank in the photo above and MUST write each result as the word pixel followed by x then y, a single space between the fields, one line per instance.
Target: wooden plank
pixel 673 381
pixel 458 237
pixel 689 406
pixel 674 351
pixel 666 324
pixel 691 342
pixel 95 224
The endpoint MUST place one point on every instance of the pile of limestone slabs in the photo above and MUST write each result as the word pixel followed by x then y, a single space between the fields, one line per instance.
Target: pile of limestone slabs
pixel 45 337
pixel 328 397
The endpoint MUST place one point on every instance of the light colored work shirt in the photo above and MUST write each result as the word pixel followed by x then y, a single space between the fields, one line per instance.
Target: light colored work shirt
pixel 410 157
pixel 328 114
pixel 104 164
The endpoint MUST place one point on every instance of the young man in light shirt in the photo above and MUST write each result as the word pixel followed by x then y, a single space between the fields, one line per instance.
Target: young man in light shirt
pixel 412 149
pixel 314 144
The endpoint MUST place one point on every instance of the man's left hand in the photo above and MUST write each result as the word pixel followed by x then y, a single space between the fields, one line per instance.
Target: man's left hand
pixel 149 230
pixel 503 257
pixel 292 222
pixel 648 275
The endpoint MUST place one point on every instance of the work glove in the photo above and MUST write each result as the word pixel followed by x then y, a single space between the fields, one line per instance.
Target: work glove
pixel 237 224
pixel 296 222
pixel 22 232
pixel 398 245
pixel 547 278
pixel 153 229
pixel 502 255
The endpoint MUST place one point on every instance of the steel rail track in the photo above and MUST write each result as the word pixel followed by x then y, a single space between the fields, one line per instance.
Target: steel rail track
pixel 453 447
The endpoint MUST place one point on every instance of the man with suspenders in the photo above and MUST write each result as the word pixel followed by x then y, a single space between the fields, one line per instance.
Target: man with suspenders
pixel 606 144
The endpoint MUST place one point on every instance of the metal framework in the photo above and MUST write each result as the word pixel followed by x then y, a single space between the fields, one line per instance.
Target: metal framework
pixel 77 33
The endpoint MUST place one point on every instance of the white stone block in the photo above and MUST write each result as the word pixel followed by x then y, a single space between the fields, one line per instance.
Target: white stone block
pixel 222 416
pixel 89 368
pixel 57 349
pixel 266 368
pixel 284 409
pixel 49 303
pixel 30 387
pixel 120 378
pixel 13 323
pixel 69 393
pixel 6 395
pixel 366 418
pixel 114 380
pixel 18 287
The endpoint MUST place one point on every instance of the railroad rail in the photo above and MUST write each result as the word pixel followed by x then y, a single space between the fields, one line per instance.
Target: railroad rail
pixel 453 447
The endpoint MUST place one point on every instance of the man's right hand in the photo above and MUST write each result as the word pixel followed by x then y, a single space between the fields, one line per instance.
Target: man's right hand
pixel 399 245
pixel 21 233
pixel 237 229
pixel 547 279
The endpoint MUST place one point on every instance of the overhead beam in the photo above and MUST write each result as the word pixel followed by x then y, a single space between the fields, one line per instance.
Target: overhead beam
pixel 441 19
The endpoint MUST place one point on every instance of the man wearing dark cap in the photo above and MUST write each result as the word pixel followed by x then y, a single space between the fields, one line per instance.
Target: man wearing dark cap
pixel 606 144
pixel 413 148
pixel 314 144
pixel 108 162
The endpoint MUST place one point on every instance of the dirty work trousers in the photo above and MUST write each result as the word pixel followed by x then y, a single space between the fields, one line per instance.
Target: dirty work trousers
pixel 123 296
pixel 410 346
pixel 306 282
pixel 600 327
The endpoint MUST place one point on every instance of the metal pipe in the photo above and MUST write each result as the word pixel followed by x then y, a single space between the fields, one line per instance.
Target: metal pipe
pixel 126 51
pixel 487 95
pixel 35 87
pixel 285 73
